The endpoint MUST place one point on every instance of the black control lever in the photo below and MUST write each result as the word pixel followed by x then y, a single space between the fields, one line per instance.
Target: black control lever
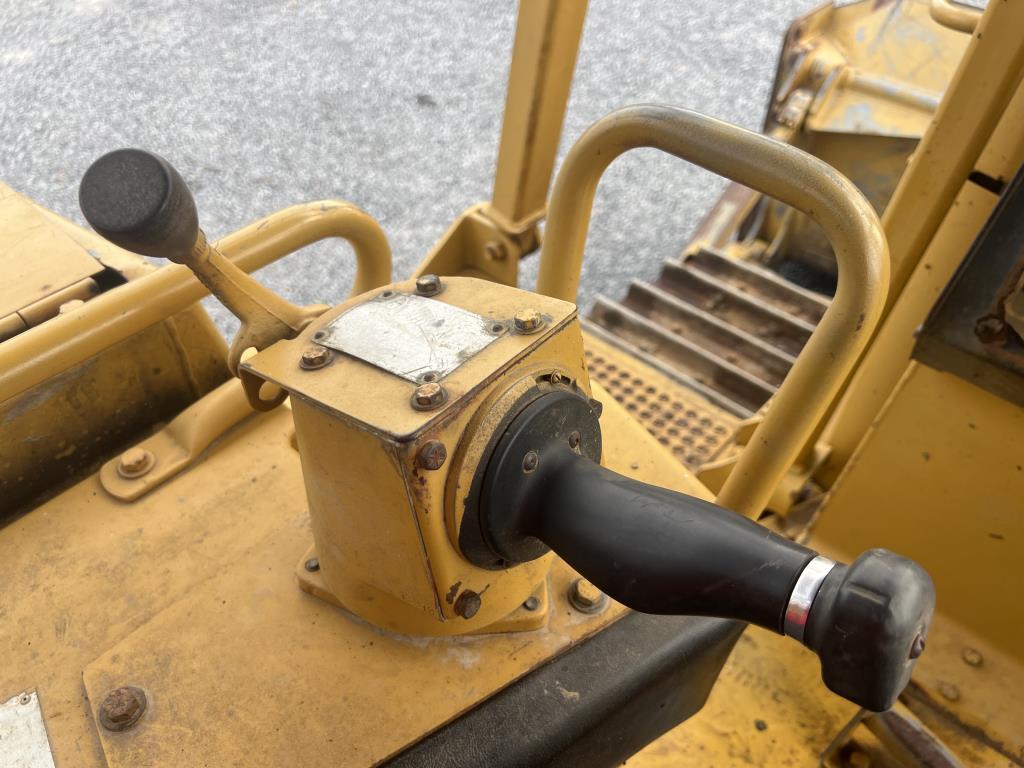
pixel 139 202
pixel 662 552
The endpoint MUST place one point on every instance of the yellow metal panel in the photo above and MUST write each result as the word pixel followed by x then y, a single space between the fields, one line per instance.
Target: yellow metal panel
pixel 886 359
pixel 36 258
pixel 939 478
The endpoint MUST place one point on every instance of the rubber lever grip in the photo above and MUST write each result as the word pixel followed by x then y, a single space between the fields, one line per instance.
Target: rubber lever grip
pixel 139 202
pixel 658 551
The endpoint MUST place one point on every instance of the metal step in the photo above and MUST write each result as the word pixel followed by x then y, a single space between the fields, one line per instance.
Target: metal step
pixel 761 283
pixel 726 341
pixel 782 331
pixel 730 328
pixel 690 358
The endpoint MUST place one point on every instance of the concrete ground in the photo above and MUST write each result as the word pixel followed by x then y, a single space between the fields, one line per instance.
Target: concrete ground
pixel 394 106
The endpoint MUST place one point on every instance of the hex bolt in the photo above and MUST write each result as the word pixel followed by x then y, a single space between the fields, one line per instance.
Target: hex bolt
pixel 428 285
pixel 495 251
pixel 122 708
pixel 428 396
pixel 531 461
pixel 467 604
pixel 586 598
pixel 527 321
pixel 989 329
pixel 917 647
pixel 949 691
pixel 432 455
pixel 315 357
pixel 135 462
pixel 25 698
pixel 312 565
pixel 532 603
pixel 972 657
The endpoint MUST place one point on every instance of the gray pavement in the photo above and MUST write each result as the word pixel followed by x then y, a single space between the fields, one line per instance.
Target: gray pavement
pixel 395 106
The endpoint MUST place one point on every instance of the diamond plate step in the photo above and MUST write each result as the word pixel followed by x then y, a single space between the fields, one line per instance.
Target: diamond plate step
pixel 729 329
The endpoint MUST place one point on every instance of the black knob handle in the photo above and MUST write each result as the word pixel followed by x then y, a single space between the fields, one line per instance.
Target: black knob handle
pixel 138 201
pixel 658 551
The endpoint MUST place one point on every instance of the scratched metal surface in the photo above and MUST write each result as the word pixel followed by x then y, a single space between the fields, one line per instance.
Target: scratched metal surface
pixel 395 106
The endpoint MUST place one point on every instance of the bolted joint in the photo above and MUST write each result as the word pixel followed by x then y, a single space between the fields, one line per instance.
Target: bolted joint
pixel 527 321
pixel 428 285
pixel 467 604
pixel 122 708
pixel 429 396
pixel 586 598
pixel 135 462
pixel 432 455
pixel 315 357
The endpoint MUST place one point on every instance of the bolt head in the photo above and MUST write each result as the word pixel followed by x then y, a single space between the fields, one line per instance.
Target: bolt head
pixel 315 357
pixel 432 455
pixel 531 461
pixel 428 285
pixel 467 604
pixel 972 657
pixel 949 691
pixel 495 251
pixel 122 708
pixel 917 647
pixel 428 396
pixel 532 603
pixel 135 462
pixel 312 565
pixel 527 321
pixel 989 329
pixel 587 598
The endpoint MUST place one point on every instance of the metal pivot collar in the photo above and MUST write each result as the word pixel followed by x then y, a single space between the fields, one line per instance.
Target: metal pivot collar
pixel 139 202
pixel 777 170
pixel 804 592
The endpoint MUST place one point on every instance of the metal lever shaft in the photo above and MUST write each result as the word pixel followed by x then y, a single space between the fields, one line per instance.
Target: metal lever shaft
pixel 139 202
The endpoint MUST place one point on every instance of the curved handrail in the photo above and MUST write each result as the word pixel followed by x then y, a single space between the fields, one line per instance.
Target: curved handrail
pixel 962 18
pixel 777 170
pixel 33 356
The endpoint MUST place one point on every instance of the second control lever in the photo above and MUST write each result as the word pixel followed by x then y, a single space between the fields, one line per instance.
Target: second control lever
pixel 139 202
pixel 658 551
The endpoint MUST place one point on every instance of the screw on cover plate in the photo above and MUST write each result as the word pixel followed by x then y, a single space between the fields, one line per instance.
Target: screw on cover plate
pixel 135 462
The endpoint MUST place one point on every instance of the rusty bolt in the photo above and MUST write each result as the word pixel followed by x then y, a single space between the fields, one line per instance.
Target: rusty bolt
pixel 428 285
pixel 586 598
pixel 531 461
pixel 949 691
pixel 312 565
pixel 989 329
pixel 135 462
pixel 467 604
pixel 428 396
pixel 532 603
pixel 972 657
pixel 122 708
pixel 315 357
pixel 495 251
pixel 528 321
pixel 917 647
pixel 432 455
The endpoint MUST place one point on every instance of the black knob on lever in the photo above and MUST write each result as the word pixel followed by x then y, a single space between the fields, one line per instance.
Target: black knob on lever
pixel 139 202
pixel 658 551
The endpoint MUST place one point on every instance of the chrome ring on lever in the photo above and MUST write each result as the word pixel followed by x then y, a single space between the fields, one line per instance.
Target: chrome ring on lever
pixel 802 598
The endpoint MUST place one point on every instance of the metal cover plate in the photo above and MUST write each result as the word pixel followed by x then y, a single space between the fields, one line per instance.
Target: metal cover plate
pixel 409 335
pixel 23 741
